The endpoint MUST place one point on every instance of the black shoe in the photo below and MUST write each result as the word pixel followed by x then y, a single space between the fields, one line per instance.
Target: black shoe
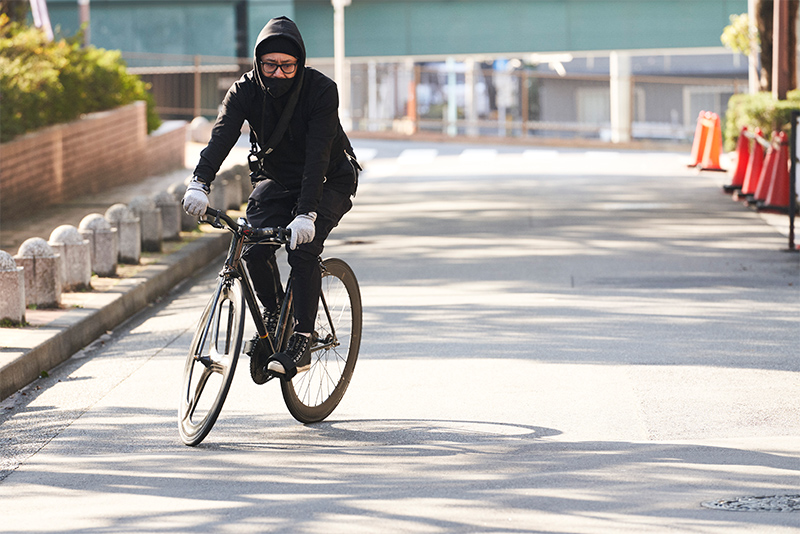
pixel 259 355
pixel 295 359
pixel 271 319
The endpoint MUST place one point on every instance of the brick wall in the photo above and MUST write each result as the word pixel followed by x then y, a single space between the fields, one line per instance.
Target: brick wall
pixel 166 148
pixel 100 151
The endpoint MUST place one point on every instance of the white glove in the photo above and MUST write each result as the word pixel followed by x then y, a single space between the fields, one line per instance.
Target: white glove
pixel 195 200
pixel 302 228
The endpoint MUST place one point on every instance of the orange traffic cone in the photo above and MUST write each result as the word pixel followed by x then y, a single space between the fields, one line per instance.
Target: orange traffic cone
pixel 742 160
pixel 713 145
pixel 754 167
pixel 699 143
pixel 777 198
pixel 765 178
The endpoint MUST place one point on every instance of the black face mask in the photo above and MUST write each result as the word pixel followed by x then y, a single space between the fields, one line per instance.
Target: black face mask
pixel 277 87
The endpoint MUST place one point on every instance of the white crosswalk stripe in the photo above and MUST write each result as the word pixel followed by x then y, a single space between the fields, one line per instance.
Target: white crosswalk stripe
pixel 417 156
pixel 539 154
pixel 601 154
pixel 366 154
pixel 478 155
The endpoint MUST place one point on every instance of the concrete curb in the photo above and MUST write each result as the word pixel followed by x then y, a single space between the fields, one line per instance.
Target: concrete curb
pixel 79 327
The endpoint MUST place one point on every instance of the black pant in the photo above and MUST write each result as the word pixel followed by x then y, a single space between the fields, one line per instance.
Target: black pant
pixel 270 204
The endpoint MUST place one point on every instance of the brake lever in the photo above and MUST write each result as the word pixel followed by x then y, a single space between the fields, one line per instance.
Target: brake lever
pixel 215 223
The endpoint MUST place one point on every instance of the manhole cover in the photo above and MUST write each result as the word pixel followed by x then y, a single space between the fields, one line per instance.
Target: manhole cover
pixel 771 503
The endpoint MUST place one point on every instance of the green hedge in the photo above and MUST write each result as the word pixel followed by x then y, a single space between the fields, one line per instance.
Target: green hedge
pixel 44 83
pixel 760 110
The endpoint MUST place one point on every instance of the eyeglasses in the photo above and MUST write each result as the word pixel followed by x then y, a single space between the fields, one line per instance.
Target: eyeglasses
pixel 268 67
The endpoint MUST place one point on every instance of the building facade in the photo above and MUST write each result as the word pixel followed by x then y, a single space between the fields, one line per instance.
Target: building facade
pixel 392 28
pixel 505 67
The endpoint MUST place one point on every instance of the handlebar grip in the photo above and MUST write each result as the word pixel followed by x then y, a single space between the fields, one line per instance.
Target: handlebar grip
pixel 217 214
pixel 278 234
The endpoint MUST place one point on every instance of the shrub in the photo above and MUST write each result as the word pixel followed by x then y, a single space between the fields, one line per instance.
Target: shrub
pixel 760 110
pixel 44 83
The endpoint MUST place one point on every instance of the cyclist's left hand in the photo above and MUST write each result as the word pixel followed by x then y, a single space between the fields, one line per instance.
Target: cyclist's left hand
pixel 302 228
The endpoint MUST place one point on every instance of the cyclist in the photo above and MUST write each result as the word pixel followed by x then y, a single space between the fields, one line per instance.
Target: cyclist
pixel 304 183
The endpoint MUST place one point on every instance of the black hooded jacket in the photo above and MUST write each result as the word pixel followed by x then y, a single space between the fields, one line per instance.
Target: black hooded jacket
pixel 312 150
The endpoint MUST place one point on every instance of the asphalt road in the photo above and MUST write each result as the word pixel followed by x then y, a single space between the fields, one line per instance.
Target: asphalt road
pixel 554 341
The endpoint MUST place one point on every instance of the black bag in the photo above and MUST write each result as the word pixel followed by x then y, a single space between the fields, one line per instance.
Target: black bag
pixel 351 157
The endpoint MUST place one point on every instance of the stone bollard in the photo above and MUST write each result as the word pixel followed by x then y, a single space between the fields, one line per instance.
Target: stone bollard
pixel 12 290
pixel 244 176
pixel 76 257
pixel 200 129
pixel 129 233
pixel 177 190
pixel 233 191
pixel 216 199
pixel 170 215
pixel 102 242
pixel 150 221
pixel 42 273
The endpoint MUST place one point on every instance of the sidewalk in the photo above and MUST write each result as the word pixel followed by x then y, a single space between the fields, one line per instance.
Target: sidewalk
pixel 52 336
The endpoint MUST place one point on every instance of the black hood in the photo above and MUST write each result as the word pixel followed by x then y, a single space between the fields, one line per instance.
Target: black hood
pixel 284 27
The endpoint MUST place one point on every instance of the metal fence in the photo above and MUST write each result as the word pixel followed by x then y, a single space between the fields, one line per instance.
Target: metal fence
pixel 460 98
pixel 184 86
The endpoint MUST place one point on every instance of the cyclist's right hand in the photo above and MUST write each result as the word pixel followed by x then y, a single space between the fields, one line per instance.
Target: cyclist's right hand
pixel 195 201
pixel 302 228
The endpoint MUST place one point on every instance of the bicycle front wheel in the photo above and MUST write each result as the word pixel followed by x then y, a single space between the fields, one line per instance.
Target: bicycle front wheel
pixel 311 396
pixel 209 368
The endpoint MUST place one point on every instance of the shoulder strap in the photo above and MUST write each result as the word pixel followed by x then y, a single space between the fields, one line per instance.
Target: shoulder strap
pixel 279 130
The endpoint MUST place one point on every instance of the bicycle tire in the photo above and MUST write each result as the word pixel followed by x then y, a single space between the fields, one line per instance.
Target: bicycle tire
pixel 211 361
pixel 312 396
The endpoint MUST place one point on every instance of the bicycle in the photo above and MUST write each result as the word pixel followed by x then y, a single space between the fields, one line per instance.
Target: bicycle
pixel 310 396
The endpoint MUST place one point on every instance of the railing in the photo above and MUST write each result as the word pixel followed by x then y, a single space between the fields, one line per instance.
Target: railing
pixel 406 97
pixel 184 86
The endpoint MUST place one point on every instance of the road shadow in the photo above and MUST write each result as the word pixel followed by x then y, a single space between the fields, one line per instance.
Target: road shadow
pixel 401 475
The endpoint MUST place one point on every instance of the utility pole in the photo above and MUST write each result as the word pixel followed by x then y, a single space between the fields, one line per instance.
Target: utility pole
pixel 338 61
pixel 621 96
pixel 753 81
pixel 41 17
pixel 84 18
pixel 242 41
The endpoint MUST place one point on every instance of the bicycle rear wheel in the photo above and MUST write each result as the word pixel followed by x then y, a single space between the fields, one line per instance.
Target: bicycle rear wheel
pixel 211 362
pixel 312 396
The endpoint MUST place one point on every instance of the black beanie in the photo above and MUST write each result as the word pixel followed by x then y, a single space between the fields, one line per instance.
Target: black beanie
pixel 279 44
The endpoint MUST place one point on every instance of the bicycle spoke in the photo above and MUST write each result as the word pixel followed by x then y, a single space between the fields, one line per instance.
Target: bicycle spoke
pixel 315 386
pixel 326 371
